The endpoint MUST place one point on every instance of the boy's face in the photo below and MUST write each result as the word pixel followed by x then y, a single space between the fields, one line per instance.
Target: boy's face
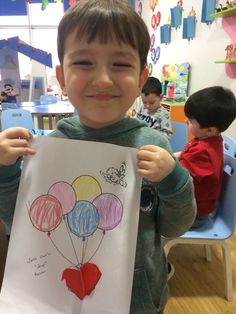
pixel 195 129
pixel 151 102
pixel 101 80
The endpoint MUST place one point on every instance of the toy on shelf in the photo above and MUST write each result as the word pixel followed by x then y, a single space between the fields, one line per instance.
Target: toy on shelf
pixel 231 52
pixel 228 9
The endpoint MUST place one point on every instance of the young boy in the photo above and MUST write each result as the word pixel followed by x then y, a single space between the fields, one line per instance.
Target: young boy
pixel 152 112
pixel 7 95
pixel 209 112
pixel 102 70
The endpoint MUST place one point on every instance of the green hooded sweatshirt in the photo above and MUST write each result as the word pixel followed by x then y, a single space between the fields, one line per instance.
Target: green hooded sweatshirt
pixel 167 208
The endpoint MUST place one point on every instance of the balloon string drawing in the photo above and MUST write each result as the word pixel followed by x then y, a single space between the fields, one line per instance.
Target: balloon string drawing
pixel 83 208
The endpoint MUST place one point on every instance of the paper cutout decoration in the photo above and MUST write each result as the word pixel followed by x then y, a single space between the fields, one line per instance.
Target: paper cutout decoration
pixel 208 8
pixel 155 51
pixel 165 33
pixel 176 16
pixel 10 8
pixel 189 27
pixel 82 281
pixel 153 4
pixel 34 53
pixel 140 8
pixel 156 19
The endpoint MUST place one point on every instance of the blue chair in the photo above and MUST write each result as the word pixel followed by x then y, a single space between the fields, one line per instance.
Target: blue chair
pixel 222 226
pixel 8 105
pixel 16 117
pixel 179 137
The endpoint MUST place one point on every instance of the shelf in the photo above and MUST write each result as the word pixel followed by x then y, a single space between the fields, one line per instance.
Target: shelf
pixel 226 61
pixel 227 12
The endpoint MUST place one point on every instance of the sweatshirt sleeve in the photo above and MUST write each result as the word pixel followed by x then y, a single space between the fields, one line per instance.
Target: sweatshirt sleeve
pixel 177 205
pixel 9 183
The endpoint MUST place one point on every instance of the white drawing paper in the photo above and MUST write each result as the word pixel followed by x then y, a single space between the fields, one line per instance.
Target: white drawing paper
pixel 73 239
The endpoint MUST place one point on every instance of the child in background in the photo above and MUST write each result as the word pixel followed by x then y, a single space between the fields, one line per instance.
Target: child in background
pixel 102 70
pixel 7 95
pixel 209 112
pixel 152 111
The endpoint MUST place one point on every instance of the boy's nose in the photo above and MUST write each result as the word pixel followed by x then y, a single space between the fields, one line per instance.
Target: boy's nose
pixel 103 79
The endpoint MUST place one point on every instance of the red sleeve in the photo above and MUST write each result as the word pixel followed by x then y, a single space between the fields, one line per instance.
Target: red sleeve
pixel 198 162
pixel 200 165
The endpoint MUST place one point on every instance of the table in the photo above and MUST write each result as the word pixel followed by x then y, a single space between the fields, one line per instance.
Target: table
pixel 57 110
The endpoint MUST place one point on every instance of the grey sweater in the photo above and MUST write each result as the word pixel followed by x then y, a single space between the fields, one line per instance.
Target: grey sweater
pixel 167 208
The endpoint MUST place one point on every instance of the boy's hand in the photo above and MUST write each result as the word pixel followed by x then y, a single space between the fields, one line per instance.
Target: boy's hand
pixel 177 154
pixel 14 143
pixel 154 163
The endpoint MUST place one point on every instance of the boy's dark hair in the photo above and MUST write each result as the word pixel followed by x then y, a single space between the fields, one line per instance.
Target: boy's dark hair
pixel 212 107
pixel 152 86
pixel 106 20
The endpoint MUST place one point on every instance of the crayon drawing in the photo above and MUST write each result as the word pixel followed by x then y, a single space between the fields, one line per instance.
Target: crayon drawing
pixel 73 239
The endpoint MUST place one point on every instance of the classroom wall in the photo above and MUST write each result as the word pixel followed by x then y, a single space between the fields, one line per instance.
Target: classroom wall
pixel 201 52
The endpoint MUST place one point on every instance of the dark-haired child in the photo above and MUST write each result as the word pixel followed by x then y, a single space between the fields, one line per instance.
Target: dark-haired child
pixel 209 112
pixel 151 111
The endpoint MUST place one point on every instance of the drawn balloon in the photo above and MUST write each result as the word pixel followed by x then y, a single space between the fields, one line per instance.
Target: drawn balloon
pixel 46 213
pixel 65 193
pixel 110 210
pixel 83 219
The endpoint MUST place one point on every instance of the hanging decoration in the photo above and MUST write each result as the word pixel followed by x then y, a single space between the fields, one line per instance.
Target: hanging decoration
pixel 208 8
pixel 72 2
pixel 176 15
pixel 18 45
pixel 44 4
pixel 189 25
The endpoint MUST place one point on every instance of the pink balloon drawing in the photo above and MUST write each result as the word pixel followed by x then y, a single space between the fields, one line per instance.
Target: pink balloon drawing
pixel 83 209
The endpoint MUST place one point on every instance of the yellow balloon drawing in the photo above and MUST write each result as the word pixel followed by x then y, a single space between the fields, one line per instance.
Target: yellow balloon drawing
pixel 87 188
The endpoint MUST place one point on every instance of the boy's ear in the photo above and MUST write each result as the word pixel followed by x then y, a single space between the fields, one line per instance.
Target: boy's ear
pixel 212 131
pixel 60 78
pixel 142 79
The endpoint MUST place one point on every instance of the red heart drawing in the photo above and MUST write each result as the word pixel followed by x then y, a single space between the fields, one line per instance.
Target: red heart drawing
pixel 81 281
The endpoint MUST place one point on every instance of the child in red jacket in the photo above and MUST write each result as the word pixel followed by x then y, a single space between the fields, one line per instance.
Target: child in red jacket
pixel 209 112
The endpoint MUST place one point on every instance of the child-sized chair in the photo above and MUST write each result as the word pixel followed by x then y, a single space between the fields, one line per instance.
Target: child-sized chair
pixel 16 117
pixel 223 224
pixel 8 105
pixel 179 137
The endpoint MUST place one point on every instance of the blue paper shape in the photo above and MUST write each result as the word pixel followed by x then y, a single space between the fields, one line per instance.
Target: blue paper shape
pixel 165 33
pixel 36 54
pixel 208 8
pixel 189 26
pixel 176 16
pixel 12 8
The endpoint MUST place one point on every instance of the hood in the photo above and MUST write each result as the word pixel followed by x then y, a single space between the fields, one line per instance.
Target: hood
pixel 72 128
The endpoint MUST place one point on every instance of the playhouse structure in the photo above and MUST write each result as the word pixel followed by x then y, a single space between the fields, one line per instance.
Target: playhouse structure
pixel 9 66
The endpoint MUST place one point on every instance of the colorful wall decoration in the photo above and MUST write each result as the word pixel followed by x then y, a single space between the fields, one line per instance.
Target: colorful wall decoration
pixel 175 79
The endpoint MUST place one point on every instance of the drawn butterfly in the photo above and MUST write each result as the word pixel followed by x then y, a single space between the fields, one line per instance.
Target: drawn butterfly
pixel 114 175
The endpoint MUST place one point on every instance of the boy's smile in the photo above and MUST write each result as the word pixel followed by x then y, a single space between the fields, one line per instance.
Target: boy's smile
pixel 101 80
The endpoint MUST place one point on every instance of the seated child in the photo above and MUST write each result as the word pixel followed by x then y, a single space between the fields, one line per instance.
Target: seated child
pixel 152 112
pixel 209 112
pixel 7 95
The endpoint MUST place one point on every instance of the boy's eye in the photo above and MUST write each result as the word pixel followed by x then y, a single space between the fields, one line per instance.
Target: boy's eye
pixel 83 63
pixel 122 64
